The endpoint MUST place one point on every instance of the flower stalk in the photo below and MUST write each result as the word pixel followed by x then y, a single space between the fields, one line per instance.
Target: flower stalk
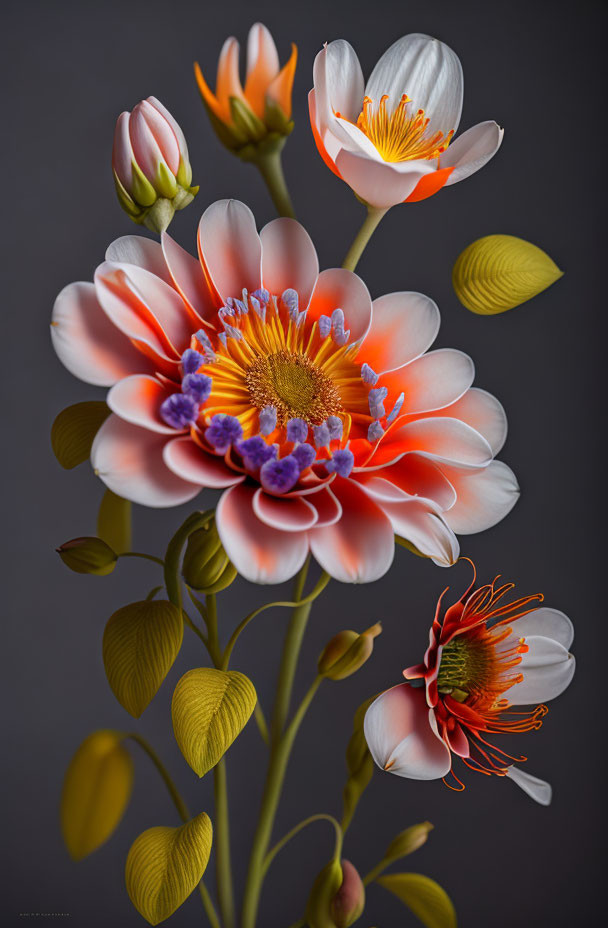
pixel 370 224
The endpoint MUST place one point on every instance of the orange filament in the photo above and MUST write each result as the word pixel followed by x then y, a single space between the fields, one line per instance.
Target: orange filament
pixel 401 136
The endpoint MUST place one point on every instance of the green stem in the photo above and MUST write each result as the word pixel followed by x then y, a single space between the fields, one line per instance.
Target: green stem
pixel 321 584
pixel 320 817
pixel 279 758
pixel 174 550
pixel 260 720
pixel 291 653
pixel 147 557
pixel 375 872
pixel 183 813
pixel 270 167
pixel 223 868
pixel 374 215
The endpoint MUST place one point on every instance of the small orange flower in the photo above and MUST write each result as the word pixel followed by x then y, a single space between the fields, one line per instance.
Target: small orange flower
pixel 245 116
pixel 485 657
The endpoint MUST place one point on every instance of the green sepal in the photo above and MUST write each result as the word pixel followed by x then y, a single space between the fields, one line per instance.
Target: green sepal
pixel 158 217
pixel 127 203
pixel 184 173
pixel 165 182
pixel 144 193
pixel 246 121
pixel 275 119
pixel 228 135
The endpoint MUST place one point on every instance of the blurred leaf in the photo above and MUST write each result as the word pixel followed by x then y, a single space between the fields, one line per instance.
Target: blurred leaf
pixel 209 709
pixel 498 272
pixel 140 644
pixel 164 865
pixel 359 763
pixel 426 899
pixel 96 789
pixel 74 429
pixel 114 522
pixel 88 555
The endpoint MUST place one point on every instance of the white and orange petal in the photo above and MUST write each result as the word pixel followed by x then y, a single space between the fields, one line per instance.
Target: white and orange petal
pixel 402 735
pixel 484 497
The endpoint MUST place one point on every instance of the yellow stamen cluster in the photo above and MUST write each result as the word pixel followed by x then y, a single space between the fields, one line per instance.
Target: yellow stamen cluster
pixel 401 136
pixel 295 386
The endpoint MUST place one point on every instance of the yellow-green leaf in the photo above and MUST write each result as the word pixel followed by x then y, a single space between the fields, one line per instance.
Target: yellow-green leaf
pixel 96 790
pixel 209 709
pixel 114 522
pixel 140 643
pixel 74 429
pixel 498 272
pixel 164 865
pixel 427 900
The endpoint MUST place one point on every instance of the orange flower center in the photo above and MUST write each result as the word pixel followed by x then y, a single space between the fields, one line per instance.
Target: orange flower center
pixel 401 136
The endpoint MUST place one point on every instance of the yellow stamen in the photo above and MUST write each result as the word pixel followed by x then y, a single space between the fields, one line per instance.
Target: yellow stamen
pixel 401 136
pixel 294 385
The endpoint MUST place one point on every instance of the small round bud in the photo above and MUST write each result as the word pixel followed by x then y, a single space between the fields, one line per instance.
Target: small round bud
pixel 347 652
pixel 88 556
pixel 206 567
pixel 151 167
pixel 337 897
pixel 408 841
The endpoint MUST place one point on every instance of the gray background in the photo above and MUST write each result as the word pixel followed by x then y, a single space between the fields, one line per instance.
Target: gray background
pixel 70 68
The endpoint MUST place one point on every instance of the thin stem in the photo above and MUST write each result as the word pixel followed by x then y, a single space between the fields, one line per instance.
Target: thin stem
pixel 260 719
pixel 182 810
pixel 321 584
pixel 153 592
pixel 374 215
pixel 188 621
pixel 270 167
pixel 320 817
pixel 223 869
pixel 174 550
pixel 291 653
pixel 147 557
pixel 277 768
pixel 375 872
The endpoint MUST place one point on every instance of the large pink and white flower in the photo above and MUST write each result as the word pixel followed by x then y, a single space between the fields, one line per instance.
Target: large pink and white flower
pixel 391 139
pixel 486 658
pixel 321 414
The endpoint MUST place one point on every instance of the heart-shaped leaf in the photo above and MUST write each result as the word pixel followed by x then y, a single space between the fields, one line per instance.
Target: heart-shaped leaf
pixel 140 644
pixel 164 865
pixel 114 522
pixel 427 900
pixel 96 790
pixel 74 429
pixel 498 272
pixel 209 709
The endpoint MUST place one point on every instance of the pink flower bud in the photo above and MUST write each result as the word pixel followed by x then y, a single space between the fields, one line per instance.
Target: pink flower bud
pixel 349 902
pixel 151 166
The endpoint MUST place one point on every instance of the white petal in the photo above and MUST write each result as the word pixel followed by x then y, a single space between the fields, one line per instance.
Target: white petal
pixel 472 150
pixel 484 497
pixel 230 248
pixel 482 412
pixel 420 521
pixel 129 460
pixel 135 249
pixel 338 83
pixel 429 72
pixel 381 184
pixel 401 738
pixel 137 399
pixel 289 259
pixel 433 381
pixel 404 325
pixel 539 790
pixel 441 439
pixel 550 623
pixel 548 669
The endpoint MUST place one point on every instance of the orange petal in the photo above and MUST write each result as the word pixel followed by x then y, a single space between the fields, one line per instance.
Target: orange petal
pixel 429 185
pixel 281 87
pixel 208 97
pixel 262 67
pixel 228 83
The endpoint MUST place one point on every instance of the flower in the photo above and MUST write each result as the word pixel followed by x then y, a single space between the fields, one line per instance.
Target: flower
pixel 391 140
pixel 486 656
pixel 318 412
pixel 259 113
pixel 150 163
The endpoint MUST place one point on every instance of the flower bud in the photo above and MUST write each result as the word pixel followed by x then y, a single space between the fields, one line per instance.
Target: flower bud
pixel 347 652
pixel 150 163
pixel 88 556
pixel 254 119
pixel 337 897
pixel 408 841
pixel 206 567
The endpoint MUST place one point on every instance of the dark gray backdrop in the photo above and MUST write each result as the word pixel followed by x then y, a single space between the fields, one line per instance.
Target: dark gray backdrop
pixel 69 69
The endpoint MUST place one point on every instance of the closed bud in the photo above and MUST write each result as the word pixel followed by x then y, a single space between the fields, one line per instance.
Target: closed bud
pixel 408 841
pixel 88 556
pixel 347 652
pixel 151 167
pixel 337 897
pixel 206 567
